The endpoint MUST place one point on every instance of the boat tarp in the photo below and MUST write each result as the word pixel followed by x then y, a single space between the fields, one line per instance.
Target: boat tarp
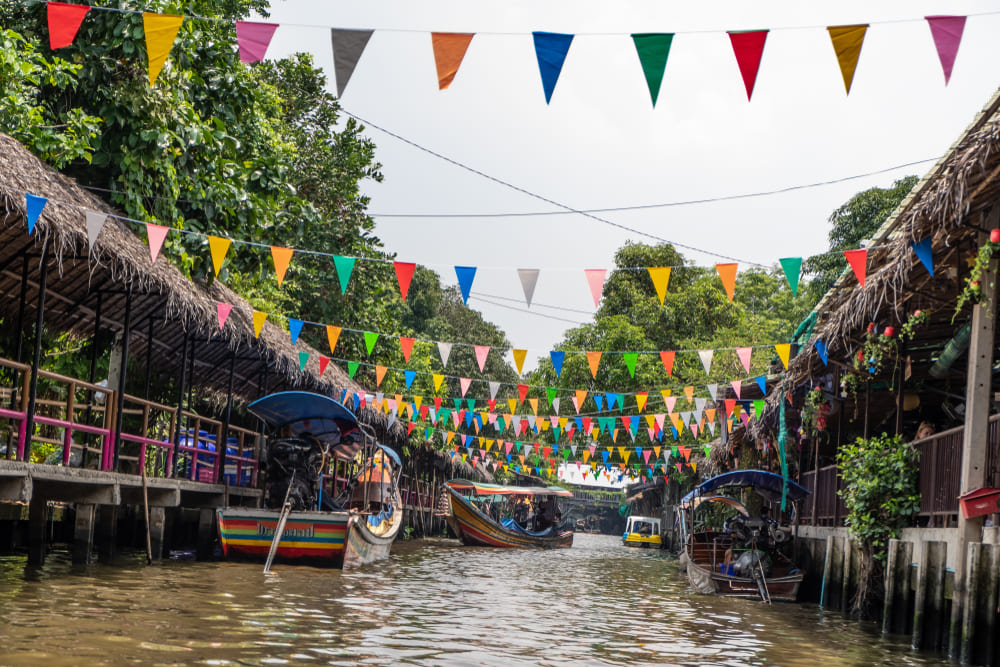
pixel 304 412
pixel 760 480
pixel 465 486
pixel 514 526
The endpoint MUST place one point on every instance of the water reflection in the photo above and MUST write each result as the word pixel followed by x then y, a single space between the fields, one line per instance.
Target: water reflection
pixel 432 603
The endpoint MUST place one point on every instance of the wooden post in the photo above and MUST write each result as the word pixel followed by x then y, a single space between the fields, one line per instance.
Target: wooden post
pixel 92 377
pixel 83 532
pixel 975 437
pixel 38 514
pixel 120 406
pixel 223 438
pixel 107 532
pixel 29 429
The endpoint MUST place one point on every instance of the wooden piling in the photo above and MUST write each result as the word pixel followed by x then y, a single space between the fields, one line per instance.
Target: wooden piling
pixel 991 577
pixel 157 532
pixel 897 587
pixel 206 534
pixel 38 515
pixel 107 532
pixel 83 532
pixel 929 596
pixel 827 574
pixel 845 575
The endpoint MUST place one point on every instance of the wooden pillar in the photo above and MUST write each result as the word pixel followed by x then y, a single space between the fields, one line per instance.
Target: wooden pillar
pixel 43 274
pixel 149 358
pixel 122 371
pixel 83 532
pixel 22 302
pixel 157 528
pixel 95 349
pixel 978 396
pixel 220 446
pixel 206 534
pixel 107 532
pixel 38 515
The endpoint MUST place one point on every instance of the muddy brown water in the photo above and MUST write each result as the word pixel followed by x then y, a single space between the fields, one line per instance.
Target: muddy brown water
pixel 432 603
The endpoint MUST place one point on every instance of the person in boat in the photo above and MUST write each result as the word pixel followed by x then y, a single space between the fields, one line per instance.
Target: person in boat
pixel 548 513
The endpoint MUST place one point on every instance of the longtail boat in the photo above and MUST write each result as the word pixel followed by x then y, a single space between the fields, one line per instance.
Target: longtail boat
pixel 748 558
pixel 355 528
pixel 642 531
pixel 491 515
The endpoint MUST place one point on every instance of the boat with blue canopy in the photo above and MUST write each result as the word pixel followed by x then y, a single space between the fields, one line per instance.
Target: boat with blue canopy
pixel 300 521
pixel 493 515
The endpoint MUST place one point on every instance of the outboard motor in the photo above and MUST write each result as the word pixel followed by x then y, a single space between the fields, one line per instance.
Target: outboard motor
pixel 293 461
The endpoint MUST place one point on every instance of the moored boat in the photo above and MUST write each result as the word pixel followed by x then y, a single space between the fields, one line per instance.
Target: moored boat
pixel 492 515
pixel 642 531
pixel 355 528
pixel 747 557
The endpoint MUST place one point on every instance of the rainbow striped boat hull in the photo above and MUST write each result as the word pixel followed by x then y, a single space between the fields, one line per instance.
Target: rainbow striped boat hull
pixel 476 529
pixel 310 537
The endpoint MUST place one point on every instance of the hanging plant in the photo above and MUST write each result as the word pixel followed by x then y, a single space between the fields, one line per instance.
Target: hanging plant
pixel 815 410
pixel 916 319
pixel 973 291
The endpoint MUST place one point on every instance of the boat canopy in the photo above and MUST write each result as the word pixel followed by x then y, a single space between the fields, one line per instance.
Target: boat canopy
pixel 465 486
pixel 767 483
pixel 725 500
pixel 305 412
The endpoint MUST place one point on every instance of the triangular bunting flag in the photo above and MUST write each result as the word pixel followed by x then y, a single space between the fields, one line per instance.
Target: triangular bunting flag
pixel 352 368
pixel 784 351
pixel 33 205
pixel 947 34
pixel 64 22
pixel 847 41
pixel 713 390
pixel 223 310
pixel 550 50
pixel 294 328
pixel 494 388
pixel 371 338
pixel 464 384
pixel 640 400
pixel 438 379
pixel 519 356
pixel 218 246
pixel 344 266
pixel 466 274
pixel 660 276
pixel 557 357
pixel 594 360
pixel 406 345
pixel 529 278
pixel 925 254
pixel 409 376
pixel 858 259
pixel 332 335
pixel 95 222
pixel 160 30
pixel 821 350
pixel 744 354
pixel 792 266
pixel 706 359
pixel 303 360
pixel 748 46
pixel 380 375
pixel 281 257
pixel 630 359
pixel 653 49
pixel 737 387
pixel 253 40
pixel 595 278
pixel 348 45
pixel 762 383
pixel 323 363
pixel 449 50
pixel 444 349
pixel 404 274
pixel 482 351
pixel 668 362
pixel 727 273
pixel 258 322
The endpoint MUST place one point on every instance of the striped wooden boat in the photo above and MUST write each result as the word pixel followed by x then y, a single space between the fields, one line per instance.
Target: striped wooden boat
pixel 475 528
pixel 311 537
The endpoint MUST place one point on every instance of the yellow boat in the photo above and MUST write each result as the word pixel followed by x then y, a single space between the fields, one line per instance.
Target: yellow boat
pixel 642 531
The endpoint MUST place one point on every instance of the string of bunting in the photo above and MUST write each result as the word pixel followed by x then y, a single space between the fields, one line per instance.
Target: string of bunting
pixel 551 48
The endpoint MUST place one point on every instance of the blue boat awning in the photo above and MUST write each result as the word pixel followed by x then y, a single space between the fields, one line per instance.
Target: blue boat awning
pixel 302 412
pixel 761 480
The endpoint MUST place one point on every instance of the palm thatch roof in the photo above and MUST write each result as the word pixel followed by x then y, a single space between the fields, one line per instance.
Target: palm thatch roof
pixel 952 205
pixel 164 301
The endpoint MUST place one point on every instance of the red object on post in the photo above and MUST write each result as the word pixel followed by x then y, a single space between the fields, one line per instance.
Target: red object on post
pixel 995 235
pixel 980 502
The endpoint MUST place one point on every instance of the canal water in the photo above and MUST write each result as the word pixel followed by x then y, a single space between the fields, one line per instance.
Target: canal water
pixel 432 603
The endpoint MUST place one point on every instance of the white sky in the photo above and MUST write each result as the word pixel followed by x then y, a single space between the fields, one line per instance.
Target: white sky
pixel 601 144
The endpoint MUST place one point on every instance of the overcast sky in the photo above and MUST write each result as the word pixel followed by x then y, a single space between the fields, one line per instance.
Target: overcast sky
pixel 601 144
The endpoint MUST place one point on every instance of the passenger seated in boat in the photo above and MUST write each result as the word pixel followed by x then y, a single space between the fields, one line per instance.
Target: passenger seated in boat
pixel 547 513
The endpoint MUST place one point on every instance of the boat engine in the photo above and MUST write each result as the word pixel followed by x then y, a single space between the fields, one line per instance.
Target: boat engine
pixel 293 461
pixel 751 563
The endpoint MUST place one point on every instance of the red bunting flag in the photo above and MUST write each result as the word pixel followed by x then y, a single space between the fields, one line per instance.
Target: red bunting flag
pixel 522 392
pixel 668 362
pixel 858 259
pixel 404 274
pixel 748 46
pixel 64 22
pixel 323 362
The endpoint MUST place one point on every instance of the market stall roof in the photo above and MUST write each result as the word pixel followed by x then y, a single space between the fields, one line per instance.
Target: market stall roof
pixel 465 486
pixel 760 480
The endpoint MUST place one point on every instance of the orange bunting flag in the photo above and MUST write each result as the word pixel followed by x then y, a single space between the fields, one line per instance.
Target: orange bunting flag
pixel 404 274
pixel 406 345
pixel 281 257
pixel 332 335
pixel 858 259
pixel 847 41
pixel 661 278
pixel 533 402
pixel 784 351
pixel 219 247
pixel 581 396
pixel 727 273
pixel 258 322
pixel 668 362
pixel 449 50
pixel 689 393
pixel 161 30
pixel 519 359
pixel 594 359
pixel 379 375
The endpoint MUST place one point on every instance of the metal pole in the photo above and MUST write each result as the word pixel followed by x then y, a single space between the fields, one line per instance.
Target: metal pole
pixel 43 275
pixel 220 447
pixel 20 308
pixel 149 356
pixel 180 398
pixel 120 403
pixel 94 351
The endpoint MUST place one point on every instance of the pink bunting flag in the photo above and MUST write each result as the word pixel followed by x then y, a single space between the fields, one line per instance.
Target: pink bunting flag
pixel 595 278
pixel 223 310
pixel 748 46
pixel 463 384
pixel 858 259
pixel 64 22
pixel 737 387
pixel 744 354
pixel 947 34
pixel 253 40
pixel 482 351
pixel 156 235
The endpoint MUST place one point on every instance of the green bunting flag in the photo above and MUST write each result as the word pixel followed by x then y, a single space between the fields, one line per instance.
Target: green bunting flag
pixel 551 392
pixel 653 49
pixel 370 339
pixel 792 267
pixel 630 359
pixel 352 368
pixel 344 266
pixel 303 359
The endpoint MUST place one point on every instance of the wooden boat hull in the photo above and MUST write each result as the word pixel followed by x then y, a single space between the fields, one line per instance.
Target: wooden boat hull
pixel 710 579
pixel 365 545
pixel 313 537
pixel 474 528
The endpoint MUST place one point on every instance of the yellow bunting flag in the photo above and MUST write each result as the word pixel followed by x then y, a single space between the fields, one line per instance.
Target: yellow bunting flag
pixel 332 335
pixel 727 273
pixel 438 379
pixel 586 455
pixel 594 359
pixel 379 374
pixel 519 359
pixel 219 247
pixel 640 400
pixel 784 350
pixel 449 50
pixel 623 453
pixel 161 30
pixel 512 402
pixel 281 257
pixel 661 278
pixel 533 402
pixel 847 41
pixel 258 322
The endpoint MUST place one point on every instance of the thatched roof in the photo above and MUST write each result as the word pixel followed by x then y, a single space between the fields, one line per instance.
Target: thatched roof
pixel 949 205
pixel 120 260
